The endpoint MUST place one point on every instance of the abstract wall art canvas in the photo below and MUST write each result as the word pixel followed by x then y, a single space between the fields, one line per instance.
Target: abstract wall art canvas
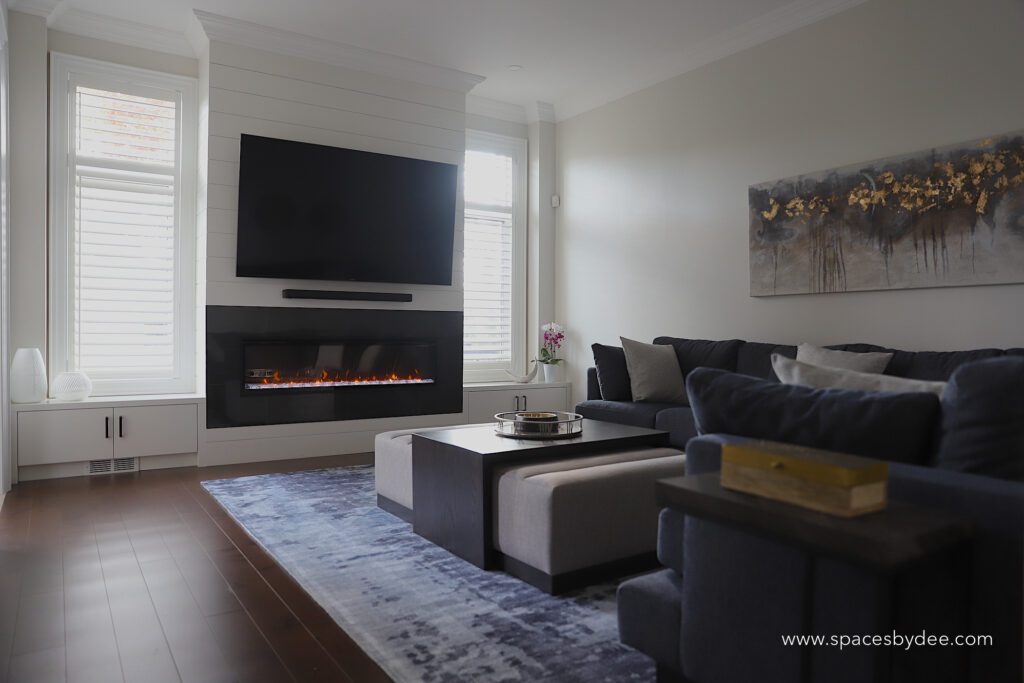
pixel 945 217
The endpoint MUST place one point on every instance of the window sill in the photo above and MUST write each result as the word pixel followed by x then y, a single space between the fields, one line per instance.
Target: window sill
pixel 110 402
pixel 493 386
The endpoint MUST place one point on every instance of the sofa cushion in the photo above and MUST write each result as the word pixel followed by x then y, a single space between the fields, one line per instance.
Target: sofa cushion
pixel 650 615
pixel 678 422
pixel 392 460
pixel 935 366
pixel 702 353
pixel 795 372
pixel 983 419
pixel 861 361
pixel 671 524
pixel 562 515
pixel 896 427
pixel 623 412
pixel 860 347
pixel 612 375
pixel 755 359
pixel 654 373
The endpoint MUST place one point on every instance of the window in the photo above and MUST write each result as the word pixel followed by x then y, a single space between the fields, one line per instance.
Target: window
pixel 494 257
pixel 122 279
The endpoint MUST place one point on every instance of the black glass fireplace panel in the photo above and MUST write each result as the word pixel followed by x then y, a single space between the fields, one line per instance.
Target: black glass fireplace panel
pixel 320 366
pixel 241 338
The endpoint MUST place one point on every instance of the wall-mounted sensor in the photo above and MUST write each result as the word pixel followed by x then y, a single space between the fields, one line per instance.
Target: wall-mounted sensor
pixel 555 201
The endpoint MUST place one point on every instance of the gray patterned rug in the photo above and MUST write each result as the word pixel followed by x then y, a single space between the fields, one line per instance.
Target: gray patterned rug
pixel 420 612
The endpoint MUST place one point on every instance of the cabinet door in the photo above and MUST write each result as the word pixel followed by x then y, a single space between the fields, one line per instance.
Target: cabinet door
pixel 482 405
pixel 155 430
pixel 46 437
pixel 544 398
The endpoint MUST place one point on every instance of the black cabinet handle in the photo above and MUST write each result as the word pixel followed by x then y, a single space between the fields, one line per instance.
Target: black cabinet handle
pixel 517 402
pixel 524 402
pixel 120 426
pixel 106 428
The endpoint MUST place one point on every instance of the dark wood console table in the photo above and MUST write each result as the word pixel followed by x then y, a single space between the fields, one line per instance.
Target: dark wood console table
pixel 885 544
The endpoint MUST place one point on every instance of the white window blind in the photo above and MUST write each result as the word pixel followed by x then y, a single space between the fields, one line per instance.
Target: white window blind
pixel 493 262
pixel 125 282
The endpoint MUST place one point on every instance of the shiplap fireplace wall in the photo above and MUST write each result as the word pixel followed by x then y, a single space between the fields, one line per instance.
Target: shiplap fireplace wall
pixel 264 81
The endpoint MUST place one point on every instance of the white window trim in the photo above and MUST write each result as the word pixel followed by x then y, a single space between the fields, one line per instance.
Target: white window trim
pixel 516 148
pixel 64 73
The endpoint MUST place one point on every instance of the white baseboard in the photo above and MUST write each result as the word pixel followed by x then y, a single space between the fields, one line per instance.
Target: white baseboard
pixel 165 462
pixel 307 440
pixel 81 469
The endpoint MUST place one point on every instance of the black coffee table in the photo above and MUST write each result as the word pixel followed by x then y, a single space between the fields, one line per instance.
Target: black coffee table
pixel 452 477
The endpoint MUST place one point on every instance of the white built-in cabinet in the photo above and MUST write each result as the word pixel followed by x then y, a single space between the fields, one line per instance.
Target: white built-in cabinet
pixel 69 433
pixel 483 401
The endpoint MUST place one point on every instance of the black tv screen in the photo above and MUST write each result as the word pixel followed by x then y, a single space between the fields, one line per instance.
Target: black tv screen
pixel 325 213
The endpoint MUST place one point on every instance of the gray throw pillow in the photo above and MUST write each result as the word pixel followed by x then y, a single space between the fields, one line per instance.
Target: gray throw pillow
pixel 871 361
pixel 794 372
pixel 654 373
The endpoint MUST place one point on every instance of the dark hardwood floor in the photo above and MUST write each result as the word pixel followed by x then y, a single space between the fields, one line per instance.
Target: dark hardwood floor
pixel 143 577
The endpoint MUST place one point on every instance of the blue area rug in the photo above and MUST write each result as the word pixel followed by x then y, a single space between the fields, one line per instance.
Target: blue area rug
pixel 420 612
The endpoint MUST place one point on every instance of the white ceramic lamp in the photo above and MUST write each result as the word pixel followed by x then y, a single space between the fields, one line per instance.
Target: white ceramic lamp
pixel 28 376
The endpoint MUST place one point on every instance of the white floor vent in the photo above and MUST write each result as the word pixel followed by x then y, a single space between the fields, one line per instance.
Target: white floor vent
pixel 115 465
pixel 126 464
pixel 100 466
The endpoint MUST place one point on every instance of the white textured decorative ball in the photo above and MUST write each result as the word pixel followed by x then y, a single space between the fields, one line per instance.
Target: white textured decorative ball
pixel 72 386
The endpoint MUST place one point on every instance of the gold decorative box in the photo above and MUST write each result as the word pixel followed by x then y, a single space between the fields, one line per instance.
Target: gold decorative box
pixel 834 483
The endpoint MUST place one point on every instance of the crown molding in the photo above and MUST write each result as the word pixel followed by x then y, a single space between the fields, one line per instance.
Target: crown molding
pixel 495 109
pixel 121 31
pixel 253 35
pixel 543 112
pixel 40 8
pixel 773 24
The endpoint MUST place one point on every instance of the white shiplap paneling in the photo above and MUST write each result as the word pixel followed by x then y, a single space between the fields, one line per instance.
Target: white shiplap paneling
pixel 328 95
pixel 261 93
pixel 270 63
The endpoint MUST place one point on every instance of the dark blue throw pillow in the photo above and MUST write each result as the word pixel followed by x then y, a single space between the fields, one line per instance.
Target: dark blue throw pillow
pixel 887 426
pixel 983 419
pixel 612 375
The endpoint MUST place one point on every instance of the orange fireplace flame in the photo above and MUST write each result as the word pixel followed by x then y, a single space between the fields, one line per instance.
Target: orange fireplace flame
pixel 326 378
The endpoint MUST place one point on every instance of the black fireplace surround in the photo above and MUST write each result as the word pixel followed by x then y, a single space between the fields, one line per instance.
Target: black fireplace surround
pixel 285 365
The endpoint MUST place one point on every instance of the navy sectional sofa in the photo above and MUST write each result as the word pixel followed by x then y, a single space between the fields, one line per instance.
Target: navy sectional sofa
pixel 714 612
pixel 755 359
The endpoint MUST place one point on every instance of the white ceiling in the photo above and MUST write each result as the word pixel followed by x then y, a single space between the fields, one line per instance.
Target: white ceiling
pixel 575 54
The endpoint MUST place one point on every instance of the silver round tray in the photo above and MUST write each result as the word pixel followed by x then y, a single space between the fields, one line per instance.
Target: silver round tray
pixel 538 424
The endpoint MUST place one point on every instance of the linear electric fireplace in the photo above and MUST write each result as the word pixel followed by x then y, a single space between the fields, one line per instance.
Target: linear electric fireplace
pixel 287 365
pixel 292 366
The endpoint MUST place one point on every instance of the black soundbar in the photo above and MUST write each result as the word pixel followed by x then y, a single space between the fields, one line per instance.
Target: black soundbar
pixel 345 296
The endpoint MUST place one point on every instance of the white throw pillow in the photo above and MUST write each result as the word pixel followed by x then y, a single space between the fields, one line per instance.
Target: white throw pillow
pixel 794 372
pixel 654 373
pixel 871 361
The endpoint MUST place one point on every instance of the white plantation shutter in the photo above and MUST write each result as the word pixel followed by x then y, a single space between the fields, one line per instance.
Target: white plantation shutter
pixel 493 262
pixel 124 308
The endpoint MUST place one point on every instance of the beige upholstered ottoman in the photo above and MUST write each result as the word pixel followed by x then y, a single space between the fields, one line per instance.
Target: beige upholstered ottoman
pixel 565 523
pixel 392 460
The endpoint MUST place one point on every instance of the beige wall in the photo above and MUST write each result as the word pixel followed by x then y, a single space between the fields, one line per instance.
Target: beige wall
pixel 28 180
pixel 652 233
pixel 82 46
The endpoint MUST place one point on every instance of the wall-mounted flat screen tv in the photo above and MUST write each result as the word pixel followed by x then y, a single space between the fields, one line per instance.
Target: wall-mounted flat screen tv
pixel 313 212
